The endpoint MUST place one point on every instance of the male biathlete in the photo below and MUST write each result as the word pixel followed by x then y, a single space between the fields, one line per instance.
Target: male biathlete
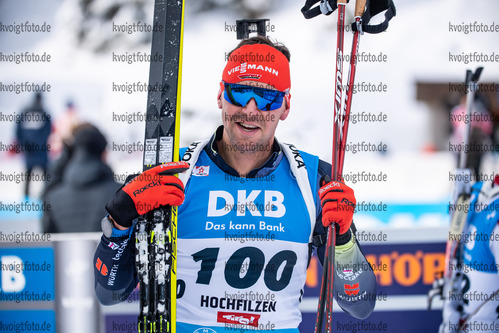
pixel 251 211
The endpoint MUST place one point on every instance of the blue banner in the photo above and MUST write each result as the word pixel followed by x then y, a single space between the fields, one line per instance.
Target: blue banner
pixel 27 321
pixel 27 275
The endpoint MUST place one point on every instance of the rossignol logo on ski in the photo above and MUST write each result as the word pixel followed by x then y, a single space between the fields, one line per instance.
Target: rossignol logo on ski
pixel 238 318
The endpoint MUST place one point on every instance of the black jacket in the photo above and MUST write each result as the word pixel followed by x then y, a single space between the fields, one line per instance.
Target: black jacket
pixel 76 204
pixel 32 133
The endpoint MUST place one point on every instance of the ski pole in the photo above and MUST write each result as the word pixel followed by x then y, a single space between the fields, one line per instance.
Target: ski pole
pixel 326 295
pixel 359 10
pixel 340 128
pixel 364 11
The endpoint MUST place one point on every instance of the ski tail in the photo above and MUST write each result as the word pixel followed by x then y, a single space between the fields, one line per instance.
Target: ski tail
pixel 156 232
pixel 446 282
pixel 461 189
pixel 174 210
pixel 471 83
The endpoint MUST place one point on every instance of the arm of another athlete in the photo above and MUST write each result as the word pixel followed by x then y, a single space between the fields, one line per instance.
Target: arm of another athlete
pixel 494 237
pixel 494 244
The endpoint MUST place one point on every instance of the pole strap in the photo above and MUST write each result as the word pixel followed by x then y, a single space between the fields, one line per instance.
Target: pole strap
pixel 373 8
pixel 326 7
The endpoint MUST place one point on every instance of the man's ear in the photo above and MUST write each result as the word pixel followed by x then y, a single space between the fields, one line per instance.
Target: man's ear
pixel 219 102
pixel 219 97
pixel 285 113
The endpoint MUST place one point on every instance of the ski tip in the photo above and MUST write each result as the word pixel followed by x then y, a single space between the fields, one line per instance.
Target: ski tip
pixel 477 74
pixel 469 74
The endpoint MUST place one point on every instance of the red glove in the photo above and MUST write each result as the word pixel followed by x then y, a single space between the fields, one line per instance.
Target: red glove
pixel 151 189
pixel 338 204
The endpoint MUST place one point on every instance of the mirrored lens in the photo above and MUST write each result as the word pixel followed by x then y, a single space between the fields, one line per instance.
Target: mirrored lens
pixel 240 95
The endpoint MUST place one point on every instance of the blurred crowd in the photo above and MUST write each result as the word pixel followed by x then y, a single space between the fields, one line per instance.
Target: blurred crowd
pixel 71 155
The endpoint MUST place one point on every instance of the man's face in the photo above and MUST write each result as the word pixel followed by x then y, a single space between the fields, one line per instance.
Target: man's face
pixel 248 124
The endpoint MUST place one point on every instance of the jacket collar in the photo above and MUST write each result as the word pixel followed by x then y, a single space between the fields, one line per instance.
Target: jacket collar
pixel 268 167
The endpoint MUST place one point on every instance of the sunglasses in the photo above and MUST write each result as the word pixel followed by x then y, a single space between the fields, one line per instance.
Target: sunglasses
pixel 265 99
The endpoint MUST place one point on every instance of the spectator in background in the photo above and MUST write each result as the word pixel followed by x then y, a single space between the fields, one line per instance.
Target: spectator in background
pixel 480 131
pixel 58 165
pixel 32 133
pixel 64 126
pixel 75 203
pixel 61 146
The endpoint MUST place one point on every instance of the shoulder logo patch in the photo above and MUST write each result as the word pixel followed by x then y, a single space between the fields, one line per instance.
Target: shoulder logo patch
pixel 201 170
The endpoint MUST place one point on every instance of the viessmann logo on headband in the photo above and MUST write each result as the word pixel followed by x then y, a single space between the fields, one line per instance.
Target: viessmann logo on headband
pixel 245 67
pixel 244 64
